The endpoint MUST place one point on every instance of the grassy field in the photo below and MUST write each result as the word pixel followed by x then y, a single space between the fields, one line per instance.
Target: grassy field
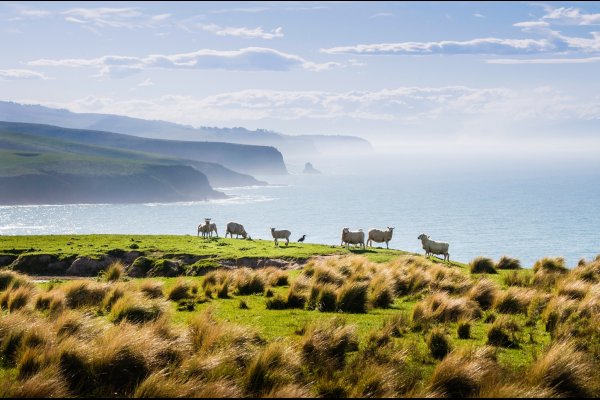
pixel 377 324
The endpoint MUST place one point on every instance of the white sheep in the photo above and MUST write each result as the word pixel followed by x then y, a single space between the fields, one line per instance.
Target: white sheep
pixel 375 235
pixel 353 237
pixel 238 229
pixel 207 228
pixel 282 234
pixel 433 247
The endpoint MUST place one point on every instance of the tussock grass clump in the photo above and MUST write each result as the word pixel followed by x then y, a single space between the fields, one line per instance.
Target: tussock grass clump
pixel 181 290
pixel 565 370
pixel 278 302
pixel 114 272
pixel 522 278
pixel 325 344
pixel 353 298
pixel 16 298
pixel 123 359
pixel 440 307
pixel 484 292
pixel 14 280
pixel 295 297
pixel 160 385
pixel 482 265
pixel 243 305
pixel 115 293
pixel 504 332
pixel 573 289
pixel 54 301
pixel 463 372
pixel 514 300
pixel 84 293
pixel 274 366
pixel 206 334
pixel 382 295
pixel 276 277
pixel 152 289
pixel 438 343
pixel 327 299
pixel 397 324
pixel 223 290
pixel 324 275
pixel 463 330
pixel 548 264
pixel 136 309
pixel 508 263
pixel 247 282
pixel 588 272
pixel 558 310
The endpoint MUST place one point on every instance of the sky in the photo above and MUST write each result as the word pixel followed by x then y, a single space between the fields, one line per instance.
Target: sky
pixel 429 75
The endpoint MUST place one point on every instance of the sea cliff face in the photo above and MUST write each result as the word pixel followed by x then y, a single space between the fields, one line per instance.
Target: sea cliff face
pixel 154 183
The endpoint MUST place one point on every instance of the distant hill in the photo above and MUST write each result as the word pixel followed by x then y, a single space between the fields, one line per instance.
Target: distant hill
pixel 291 145
pixel 45 170
pixel 240 158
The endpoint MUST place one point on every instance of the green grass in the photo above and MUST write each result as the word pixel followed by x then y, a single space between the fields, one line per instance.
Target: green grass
pixel 172 245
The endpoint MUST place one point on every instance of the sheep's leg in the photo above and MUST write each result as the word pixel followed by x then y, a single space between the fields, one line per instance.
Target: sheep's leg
pixel 386 245
pixel 287 241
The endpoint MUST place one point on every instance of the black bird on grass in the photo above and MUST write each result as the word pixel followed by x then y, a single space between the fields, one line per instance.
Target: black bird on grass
pixel 301 239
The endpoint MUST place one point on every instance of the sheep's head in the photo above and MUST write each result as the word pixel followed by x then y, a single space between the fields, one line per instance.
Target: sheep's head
pixel 422 236
pixel 345 230
pixel 272 230
pixel 390 229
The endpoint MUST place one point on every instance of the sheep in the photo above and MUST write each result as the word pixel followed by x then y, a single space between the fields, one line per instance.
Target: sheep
pixel 207 228
pixel 238 229
pixel 433 247
pixel 375 235
pixel 350 237
pixel 283 234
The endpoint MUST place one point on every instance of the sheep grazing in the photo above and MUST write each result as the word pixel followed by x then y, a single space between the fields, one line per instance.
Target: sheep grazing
pixel 238 229
pixel 353 237
pixel 283 234
pixel 301 240
pixel 375 235
pixel 207 228
pixel 433 247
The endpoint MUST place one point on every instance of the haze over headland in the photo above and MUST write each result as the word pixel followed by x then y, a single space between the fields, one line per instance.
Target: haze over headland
pixel 466 77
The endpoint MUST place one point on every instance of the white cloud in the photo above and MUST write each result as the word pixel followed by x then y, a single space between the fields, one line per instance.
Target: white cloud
pixel 147 82
pixel 531 24
pixel 586 60
pixel 478 15
pixel 20 74
pixel 474 46
pixel 571 16
pixel 246 59
pixel 403 105
pixel 34 13
pixel 243 32
pixel 113 17
pixel 381 15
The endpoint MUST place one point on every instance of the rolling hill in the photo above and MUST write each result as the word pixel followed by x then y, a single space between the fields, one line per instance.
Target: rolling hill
pixel 41 170
pixel 290 145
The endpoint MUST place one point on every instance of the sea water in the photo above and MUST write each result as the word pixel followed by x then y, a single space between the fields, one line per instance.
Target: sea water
pixel 527 217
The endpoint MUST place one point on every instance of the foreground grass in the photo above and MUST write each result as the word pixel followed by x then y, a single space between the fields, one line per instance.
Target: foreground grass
pixel 341 326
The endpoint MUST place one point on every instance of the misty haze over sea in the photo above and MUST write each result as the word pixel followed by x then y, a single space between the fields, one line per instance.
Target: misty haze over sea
pixel 527 209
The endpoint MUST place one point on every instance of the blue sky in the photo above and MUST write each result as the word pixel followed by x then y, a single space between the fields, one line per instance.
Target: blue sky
pixel 463 73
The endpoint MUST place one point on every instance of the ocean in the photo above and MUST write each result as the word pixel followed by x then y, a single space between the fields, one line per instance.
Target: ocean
pixel 522 216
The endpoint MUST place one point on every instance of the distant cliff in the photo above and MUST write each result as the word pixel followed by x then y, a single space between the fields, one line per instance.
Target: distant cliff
pixel 241 158
pixel 290 145
pixel 43 170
